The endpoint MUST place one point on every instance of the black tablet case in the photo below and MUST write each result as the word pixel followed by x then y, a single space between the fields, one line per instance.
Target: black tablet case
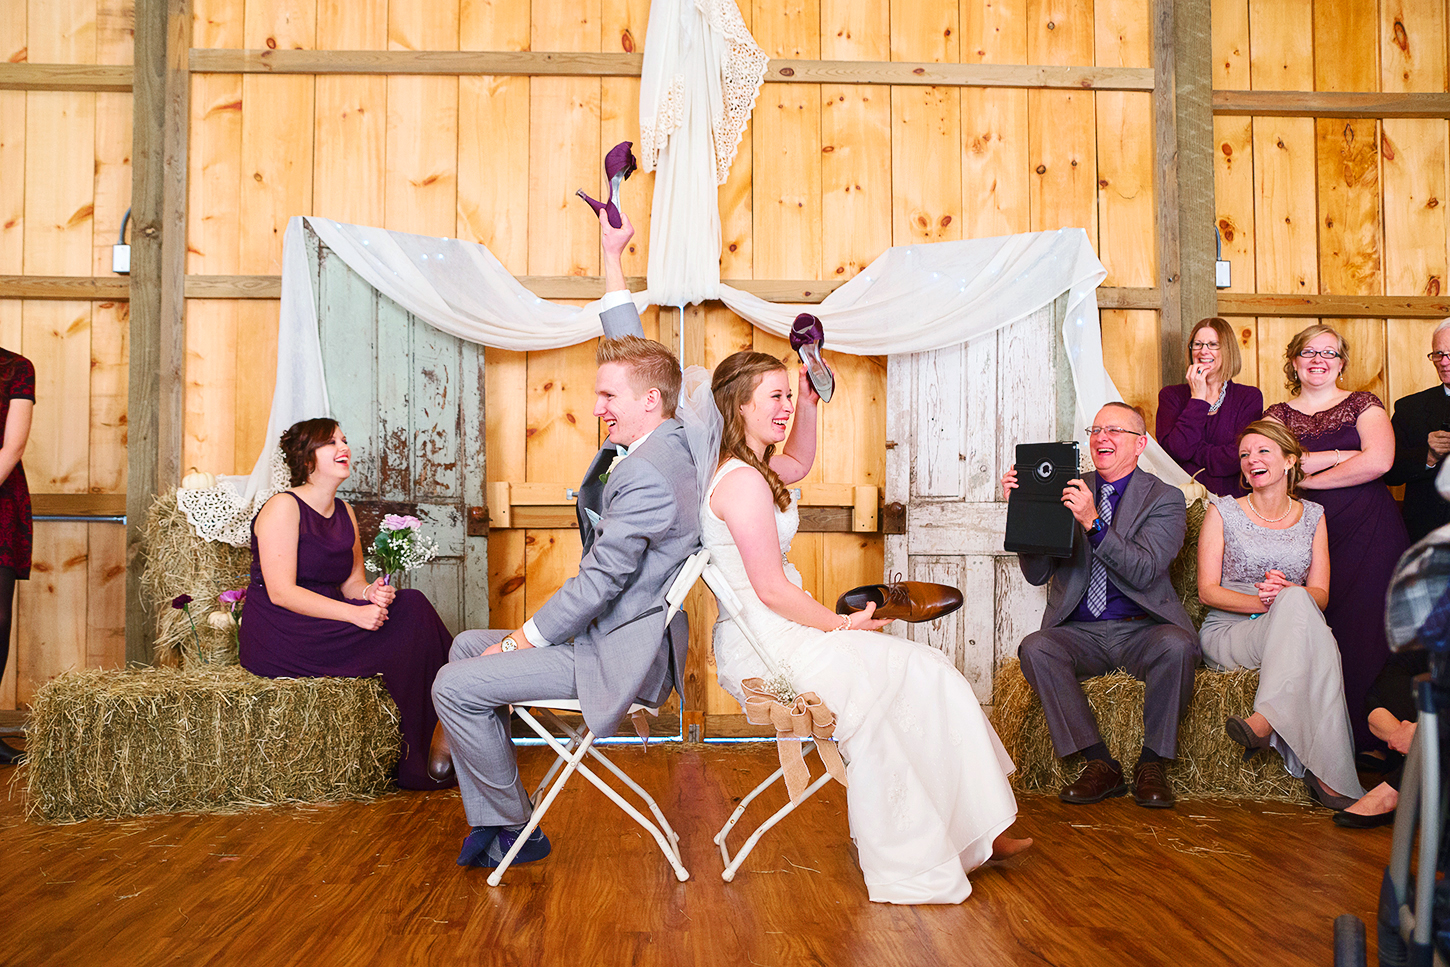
pixel 1037 520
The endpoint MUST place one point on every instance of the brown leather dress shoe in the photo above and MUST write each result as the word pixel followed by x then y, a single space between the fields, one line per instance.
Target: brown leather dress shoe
pixel 440 756
pixel 1150 786
pixel 1099 781
pixel 902 600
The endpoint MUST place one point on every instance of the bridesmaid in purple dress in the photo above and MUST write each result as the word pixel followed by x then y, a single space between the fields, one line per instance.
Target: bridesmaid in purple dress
pixel 311 613
pixel 1350 445
pixel 1199 420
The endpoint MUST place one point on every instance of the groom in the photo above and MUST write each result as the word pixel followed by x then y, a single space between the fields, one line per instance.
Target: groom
pixel 602 637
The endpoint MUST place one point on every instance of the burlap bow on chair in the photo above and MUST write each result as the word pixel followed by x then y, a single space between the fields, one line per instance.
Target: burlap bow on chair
pixel 805 718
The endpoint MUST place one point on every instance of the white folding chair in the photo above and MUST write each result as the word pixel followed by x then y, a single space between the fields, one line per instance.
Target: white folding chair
pixel 731 607
pixel 580 743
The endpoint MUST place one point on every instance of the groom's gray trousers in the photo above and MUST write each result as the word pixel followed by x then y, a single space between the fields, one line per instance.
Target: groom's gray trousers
pixel 472 695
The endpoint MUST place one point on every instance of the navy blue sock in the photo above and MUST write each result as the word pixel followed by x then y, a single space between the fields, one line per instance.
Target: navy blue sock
pixel 477 844
pixel 1099 751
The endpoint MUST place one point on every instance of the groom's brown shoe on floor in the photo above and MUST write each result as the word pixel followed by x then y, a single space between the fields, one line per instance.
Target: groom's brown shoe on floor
pixel 1099 780
pixel 440 756
pixel 902 600
pixel 1150 786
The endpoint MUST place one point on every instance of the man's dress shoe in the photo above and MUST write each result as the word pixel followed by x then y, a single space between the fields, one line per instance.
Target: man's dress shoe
pixel 902 600
pixel 1098 781
pixel 1150 786
pixel 440 756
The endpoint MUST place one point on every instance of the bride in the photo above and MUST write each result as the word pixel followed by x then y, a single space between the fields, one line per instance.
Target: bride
pixel 928 797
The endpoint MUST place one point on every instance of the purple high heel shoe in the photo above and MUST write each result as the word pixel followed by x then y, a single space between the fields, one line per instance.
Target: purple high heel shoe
pixel 619 164
pixel 806 336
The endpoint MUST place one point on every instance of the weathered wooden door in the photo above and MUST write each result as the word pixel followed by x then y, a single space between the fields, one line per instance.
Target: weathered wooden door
pixel 410 399
pixel 953 418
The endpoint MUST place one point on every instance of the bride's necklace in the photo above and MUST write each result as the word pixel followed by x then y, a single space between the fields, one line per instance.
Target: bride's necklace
pixel 1269 520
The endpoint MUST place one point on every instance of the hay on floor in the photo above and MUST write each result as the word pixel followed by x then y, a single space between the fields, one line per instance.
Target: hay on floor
pixel 104 744
pixel 1209 763
pixel 178 562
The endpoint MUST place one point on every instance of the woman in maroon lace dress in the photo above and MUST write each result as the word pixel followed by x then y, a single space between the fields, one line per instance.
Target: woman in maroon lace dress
pixel 310 612
pixel 1350 445
pixel 17 402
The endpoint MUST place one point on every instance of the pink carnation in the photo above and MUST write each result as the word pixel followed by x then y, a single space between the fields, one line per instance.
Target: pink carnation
pixel 233 597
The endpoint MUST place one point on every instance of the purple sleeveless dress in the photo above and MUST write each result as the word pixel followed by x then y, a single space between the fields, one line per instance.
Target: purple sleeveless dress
pixel 1366 538
pixel 407 650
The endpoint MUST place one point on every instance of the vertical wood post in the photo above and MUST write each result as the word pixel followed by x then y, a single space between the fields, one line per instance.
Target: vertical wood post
pixel 1183 159
pixel 161 105
pixel 688 326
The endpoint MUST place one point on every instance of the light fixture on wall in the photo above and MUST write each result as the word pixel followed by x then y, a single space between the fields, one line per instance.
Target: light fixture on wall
pixel 121 252
pixel 1221 265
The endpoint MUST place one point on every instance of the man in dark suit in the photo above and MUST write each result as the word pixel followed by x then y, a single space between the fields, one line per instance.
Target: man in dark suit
pixel 1421 441
pixel 601 637
pixel 1110 605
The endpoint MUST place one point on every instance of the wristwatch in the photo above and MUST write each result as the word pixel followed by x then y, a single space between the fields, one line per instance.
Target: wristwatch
pixel 508 644
pixel 1099 525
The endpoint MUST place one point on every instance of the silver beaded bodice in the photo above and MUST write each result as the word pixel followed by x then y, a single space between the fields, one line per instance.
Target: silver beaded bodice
pixel 1250 549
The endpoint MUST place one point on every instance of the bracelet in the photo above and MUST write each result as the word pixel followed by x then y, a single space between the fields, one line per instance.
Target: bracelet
pixel 845 624
pixel 1337 458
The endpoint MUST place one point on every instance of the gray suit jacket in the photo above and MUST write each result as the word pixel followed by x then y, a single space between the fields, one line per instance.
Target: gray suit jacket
pixel 1145 536
pixel 614 608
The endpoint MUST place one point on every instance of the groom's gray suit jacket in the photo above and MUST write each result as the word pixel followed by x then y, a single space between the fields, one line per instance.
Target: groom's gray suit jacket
pixel 614 608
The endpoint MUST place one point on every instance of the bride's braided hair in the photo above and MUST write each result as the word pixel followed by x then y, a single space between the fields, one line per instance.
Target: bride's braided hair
pixel 733 385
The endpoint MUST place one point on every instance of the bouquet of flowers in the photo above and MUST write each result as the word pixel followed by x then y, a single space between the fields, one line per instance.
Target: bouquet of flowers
pixel 399 547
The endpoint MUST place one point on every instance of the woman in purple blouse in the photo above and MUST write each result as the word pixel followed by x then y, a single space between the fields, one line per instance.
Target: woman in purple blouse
pixel 1199 421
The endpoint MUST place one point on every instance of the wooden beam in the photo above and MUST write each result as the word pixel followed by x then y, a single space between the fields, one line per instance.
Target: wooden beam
pixel 1192 103
pixel 1166 181
pixel 1115 297
pixel 1333 306
pixel 114 78
pixel 1331 104
pixel 960 75
pixel 69 288
pixel 78 505
pixel 446 62
pixel 158 266
pixel 65 288
pixel 542 63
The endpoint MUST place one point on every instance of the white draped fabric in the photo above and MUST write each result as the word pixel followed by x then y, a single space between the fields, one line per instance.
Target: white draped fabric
pixel 910 299
pixel 702 72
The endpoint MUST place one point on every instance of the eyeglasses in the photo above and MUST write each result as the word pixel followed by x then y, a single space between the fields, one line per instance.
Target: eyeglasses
pixel 1325 353
pixel 1209 346
pixel 1113 431
pixel 1437 356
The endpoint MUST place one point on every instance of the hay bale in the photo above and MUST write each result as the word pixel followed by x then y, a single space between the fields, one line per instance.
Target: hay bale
pixel 104 744
pixel 176 562
pixel 1209 763
pixel 1183 572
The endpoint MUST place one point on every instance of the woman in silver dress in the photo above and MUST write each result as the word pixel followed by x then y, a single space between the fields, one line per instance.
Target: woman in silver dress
pixel 1263 569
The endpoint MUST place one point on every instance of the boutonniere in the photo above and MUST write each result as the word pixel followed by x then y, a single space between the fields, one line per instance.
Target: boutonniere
pixel 604 477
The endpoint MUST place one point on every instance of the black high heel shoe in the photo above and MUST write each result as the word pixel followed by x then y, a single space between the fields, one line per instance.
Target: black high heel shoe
pixel 806 336
pixel 9 755
pixel 1240 732
pixel 619 164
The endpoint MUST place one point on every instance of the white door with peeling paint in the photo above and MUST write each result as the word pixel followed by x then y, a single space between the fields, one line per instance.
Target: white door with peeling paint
pixel 410 399
pixel 953 418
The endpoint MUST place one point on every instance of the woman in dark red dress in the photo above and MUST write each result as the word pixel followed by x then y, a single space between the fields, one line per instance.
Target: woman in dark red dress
pixel 17 402
pixel 1350 445
pixel 310 611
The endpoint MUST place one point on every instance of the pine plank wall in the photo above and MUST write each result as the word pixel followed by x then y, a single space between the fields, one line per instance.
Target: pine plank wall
pixel 827 177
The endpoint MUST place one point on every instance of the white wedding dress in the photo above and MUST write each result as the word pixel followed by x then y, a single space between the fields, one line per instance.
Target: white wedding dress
pixel 927 776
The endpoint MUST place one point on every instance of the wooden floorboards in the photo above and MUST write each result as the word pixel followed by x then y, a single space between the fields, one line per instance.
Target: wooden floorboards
pixel 376 883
